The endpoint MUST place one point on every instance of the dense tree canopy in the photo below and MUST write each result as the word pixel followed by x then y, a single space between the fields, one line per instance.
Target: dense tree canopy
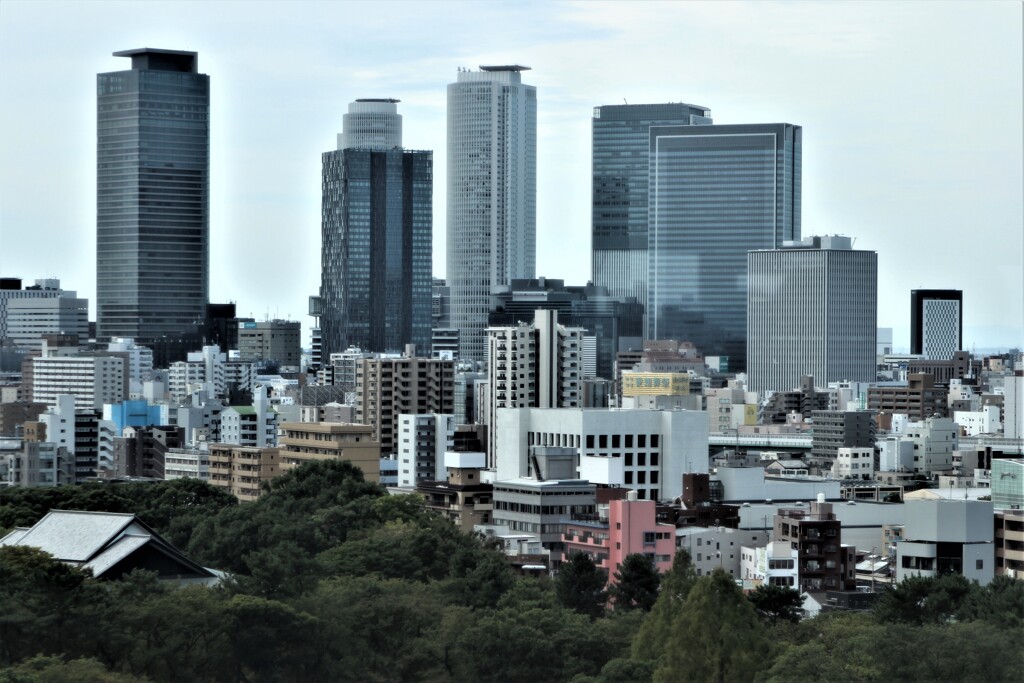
pixel 636 583
pixel 333 580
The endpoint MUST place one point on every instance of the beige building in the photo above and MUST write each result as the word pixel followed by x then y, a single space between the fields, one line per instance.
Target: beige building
pixel 243 469
pixel 389 387
pixel 302 442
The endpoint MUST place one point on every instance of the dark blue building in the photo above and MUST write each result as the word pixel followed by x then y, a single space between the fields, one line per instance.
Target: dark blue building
pixel 620 148
pixel 377 231
pixel 716 192
pixel 152 198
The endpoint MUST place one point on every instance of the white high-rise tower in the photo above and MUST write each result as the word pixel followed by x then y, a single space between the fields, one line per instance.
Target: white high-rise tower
pixel 492 193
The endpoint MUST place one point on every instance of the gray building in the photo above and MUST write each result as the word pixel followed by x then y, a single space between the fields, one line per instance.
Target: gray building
pixel 377 224
pixel 835 429
pixel 947 537
pixel 812 309
pixel 620 139
pixel 716 192
pixel 492 193
pixel 152 197
pixel 936 322
pixel 279 341
pixel 542 507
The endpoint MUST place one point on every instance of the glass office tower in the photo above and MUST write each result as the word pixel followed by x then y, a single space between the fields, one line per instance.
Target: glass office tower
pixel 492 194
pixel 377 229
pixel 152 198
pixel 716 192
pixel 620 144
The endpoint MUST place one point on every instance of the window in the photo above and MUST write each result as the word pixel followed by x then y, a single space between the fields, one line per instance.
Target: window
pixel 979 564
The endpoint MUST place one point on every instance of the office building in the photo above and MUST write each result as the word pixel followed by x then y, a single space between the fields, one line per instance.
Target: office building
pixel 29 319
pixel 542 507
pixel 273 341
pixel 716 193
pixel 92 380
pixel 918 397
pixel 1008 484
pixel 492 193
pixel 936 322
pixel 812 308
pixel 648 451
pixel 387 388
pixel 620 149
pixel 152 202
pixel 377 225
pixel 836 429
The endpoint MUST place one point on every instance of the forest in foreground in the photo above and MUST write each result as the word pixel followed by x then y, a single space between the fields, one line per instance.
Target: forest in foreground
pixel 334 580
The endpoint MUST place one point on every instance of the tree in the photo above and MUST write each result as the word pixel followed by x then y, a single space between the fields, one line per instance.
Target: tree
pixel 636 583
pixel 651 640
pixel 718 637
pixel 776 603
pixel 1001 603
pixel 580 585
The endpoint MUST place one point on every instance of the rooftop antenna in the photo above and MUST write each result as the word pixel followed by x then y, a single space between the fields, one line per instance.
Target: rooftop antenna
pixel 624 101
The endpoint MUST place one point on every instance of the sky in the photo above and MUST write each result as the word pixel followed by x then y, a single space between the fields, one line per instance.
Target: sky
pixel 911 113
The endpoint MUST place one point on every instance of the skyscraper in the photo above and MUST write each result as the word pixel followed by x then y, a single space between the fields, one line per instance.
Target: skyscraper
pixel 621 140
pixel 812 309
pixel 152 199
pixel 492 193
pixel 377 230
pixel 716 192
pixel 936 322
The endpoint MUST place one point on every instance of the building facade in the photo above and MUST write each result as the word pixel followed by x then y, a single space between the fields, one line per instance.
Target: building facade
pixel 947 537
pixel 716 192
pixel 823 562
pixel 620 153
pixel 648 451
pixel 377 226
pixel 423 441
pixel 387 388
pixel 302 442
pixel 812 309
pixel 152 201
pixel 272 340
pixel 492 193
pixel 936 322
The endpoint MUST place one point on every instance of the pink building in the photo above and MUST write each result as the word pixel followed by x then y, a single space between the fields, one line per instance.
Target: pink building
pixel 631 528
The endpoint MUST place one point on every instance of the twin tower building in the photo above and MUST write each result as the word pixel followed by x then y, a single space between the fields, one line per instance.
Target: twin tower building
pixel 677 205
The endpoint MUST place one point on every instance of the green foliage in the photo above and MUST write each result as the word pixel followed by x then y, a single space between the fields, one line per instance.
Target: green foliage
pixel 651 642
pixel 718 636
pixel 636 583
pixel 42 669
pixel 776 603
pixel 580 585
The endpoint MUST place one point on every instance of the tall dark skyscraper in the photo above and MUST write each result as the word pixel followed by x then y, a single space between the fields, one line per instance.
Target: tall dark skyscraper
pixel 936 322
pixel 375 290
pixel 152 199
pixel 716 192
pixel 621 140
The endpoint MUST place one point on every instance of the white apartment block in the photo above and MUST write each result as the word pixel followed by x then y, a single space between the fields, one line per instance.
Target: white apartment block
pixel 92 380
pixel 535 365
pixel 254 425
pixel 730 407
pixel 140 362
pixel 645 450
pixel 975 422
pixel 1013 407
pixel 422 442
pixel 774 564
pixel 934 441
pixel 211 371
pixel 854 463
pixel 190 463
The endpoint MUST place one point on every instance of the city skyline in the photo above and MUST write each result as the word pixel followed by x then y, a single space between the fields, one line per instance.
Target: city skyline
pixel 880 89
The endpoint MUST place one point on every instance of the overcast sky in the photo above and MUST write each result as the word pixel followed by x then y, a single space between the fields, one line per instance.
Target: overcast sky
pixel 911 116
